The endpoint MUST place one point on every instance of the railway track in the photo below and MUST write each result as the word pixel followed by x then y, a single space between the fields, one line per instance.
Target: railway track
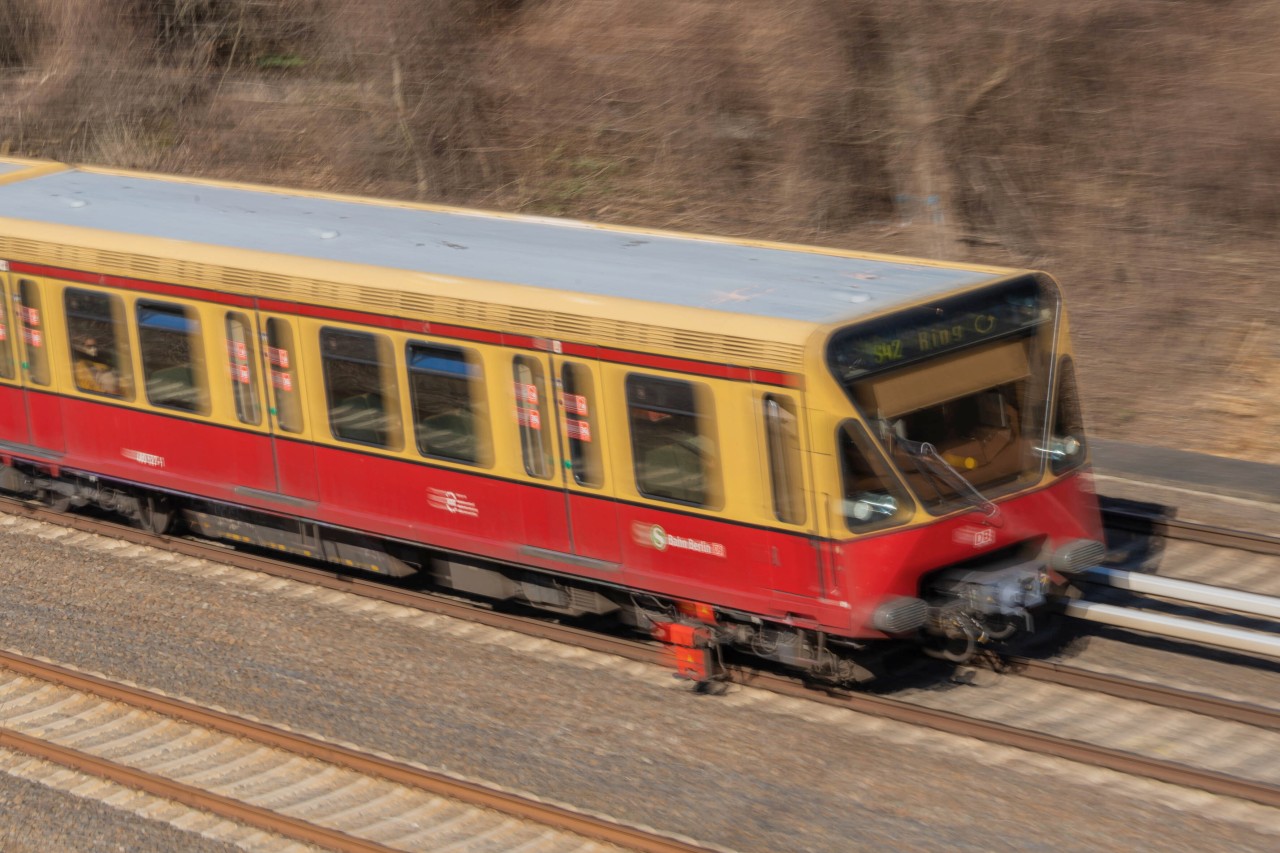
pixel 281 782
pixel 1264 789
pixel 1130 517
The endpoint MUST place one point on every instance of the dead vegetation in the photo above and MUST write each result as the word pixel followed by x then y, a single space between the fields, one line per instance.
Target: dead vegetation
pixel 1131 147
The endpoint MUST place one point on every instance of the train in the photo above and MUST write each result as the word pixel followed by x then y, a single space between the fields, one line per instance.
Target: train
pixel 810 457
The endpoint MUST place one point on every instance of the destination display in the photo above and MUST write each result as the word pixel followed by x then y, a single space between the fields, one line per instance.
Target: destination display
pixel 919 333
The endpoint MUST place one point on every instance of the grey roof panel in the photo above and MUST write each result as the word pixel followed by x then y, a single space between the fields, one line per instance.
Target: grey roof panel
pixel 578 257
pixel 6 168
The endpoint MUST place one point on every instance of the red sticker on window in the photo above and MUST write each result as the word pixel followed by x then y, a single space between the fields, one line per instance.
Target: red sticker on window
pixel 580 430
pixel 529 418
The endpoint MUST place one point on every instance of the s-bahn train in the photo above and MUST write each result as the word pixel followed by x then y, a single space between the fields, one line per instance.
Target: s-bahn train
pixel 810 456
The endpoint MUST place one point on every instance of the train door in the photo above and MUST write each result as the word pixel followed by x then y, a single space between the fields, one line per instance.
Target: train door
pixel 545 508
pixel 592 514
pixel 796 566
pixel 43 408
pixel 291 447
pixel 13 403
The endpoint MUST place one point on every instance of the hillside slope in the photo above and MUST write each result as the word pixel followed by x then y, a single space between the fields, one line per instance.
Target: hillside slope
pixel 1132 148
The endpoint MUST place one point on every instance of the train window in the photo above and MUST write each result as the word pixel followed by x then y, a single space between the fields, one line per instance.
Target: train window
pixel 1067 445
pixel 169 337
pixel 531 415
pixel 579 404
pixel 673 443
pixel 6 345
pixel 282 364
pixel 34 352
pixel 243 371
pixel 782 438
pixel 446 385
pixel 99 342
pixel 873 497
pixel 360 381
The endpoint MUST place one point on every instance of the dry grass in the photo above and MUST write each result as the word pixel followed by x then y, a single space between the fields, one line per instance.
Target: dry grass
pixel 1131 146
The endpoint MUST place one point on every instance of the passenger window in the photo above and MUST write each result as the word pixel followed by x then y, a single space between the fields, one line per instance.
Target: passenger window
pixel 873 497
pixel 99 343
pixel 446 385
pixel 531 415
pixel 579 403
pixel 169 336
pixel 673 440
pixel 6 345
pixel 360 381
pixel 1067 445
pixel 282 364
pixel 244 373
pixel 782 437
pixel 34 353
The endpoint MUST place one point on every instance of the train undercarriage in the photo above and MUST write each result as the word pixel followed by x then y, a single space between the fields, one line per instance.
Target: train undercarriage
pixel 962 610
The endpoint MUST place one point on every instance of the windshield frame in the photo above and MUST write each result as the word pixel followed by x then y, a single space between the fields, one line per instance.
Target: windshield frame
pixel 929 318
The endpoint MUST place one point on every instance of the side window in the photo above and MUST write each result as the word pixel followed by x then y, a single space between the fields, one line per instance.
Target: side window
pixel 1067 446
pixel 873 497
pixel 99 342
pixel 282 364
pixel 673 443
pixel 34 353
pixel 578 400
pixel 531 415
pixel 6 344
pixel 782 437
pixel 446 385
pixel 360 383
pixel 169 336
pixel 243 370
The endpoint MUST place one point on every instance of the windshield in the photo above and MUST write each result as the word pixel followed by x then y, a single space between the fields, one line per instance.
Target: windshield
pixel 955 390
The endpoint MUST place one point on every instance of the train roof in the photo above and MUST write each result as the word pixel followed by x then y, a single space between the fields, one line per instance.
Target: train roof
pixel 735 277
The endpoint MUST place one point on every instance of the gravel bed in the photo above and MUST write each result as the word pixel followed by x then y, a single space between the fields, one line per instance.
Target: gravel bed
pixel 747 771
pixel 38 819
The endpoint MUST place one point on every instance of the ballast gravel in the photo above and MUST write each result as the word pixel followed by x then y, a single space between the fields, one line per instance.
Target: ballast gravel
pixel 745 771
pixel 38 819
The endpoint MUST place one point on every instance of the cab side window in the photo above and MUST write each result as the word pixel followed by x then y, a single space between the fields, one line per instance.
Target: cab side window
pixel 447 388
pixel 34 353
pixel 673 443
pixel 169 337
pixel 782 439
pixel 360 384
pixel 873 497
pixel 100 361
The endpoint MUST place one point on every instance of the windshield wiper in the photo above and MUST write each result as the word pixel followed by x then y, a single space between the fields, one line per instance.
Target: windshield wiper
pixel 936 468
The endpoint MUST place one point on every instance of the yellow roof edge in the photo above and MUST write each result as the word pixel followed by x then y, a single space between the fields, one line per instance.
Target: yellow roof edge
pixel 34 169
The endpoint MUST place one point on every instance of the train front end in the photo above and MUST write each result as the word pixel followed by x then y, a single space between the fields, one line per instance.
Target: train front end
pixel 966 501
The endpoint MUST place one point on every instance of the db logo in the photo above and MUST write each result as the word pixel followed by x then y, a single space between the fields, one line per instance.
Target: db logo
pixel 978 537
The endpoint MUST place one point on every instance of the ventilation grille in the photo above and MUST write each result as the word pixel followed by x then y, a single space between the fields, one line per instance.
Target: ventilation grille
pixel 705 346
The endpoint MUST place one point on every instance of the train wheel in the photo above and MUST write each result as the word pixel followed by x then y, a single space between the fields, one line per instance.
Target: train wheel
pixel 155 514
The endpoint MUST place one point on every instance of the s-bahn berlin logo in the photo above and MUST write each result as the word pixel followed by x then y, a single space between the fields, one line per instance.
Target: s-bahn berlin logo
pixel 655 537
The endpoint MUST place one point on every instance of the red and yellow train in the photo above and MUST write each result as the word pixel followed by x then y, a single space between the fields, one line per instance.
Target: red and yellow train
pixel 808 455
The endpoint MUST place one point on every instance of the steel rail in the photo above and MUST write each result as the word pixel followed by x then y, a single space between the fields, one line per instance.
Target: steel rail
pixel 188 795
pixel 884 707
pixel 475 794
pixel 1122 518
pixel 1144 691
